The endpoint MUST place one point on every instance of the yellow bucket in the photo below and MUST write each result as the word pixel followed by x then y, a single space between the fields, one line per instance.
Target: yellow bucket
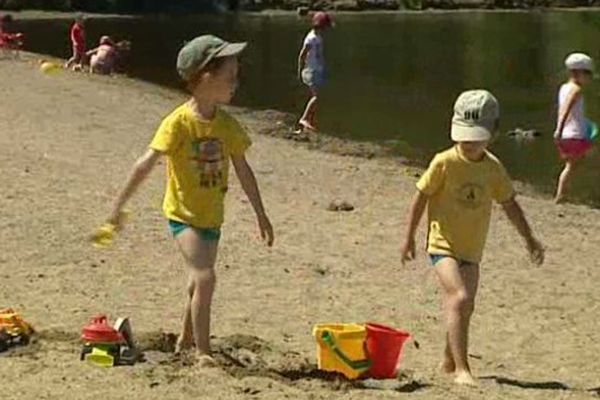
pixel 341 348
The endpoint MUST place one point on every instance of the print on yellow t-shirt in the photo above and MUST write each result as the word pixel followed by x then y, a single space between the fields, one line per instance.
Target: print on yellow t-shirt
pixel 209 158
pixel 460 195
pixel 198 154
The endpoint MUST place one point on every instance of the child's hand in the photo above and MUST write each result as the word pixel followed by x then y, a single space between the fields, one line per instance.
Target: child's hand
pixel 266 229
pixel 557 135
pixel 117 218
pixel 408 250
pixel 536 251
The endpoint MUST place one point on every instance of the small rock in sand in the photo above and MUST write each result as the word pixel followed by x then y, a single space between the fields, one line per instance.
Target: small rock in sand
pixel 340 205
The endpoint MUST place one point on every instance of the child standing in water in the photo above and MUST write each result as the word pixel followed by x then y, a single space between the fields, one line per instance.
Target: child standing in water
pixel 572 134
pixel 311 67
pixel 458 189
pixel 77 36
pixel 198 140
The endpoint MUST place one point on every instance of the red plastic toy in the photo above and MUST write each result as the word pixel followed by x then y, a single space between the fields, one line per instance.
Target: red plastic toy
pixel 98 331
pixel 384 345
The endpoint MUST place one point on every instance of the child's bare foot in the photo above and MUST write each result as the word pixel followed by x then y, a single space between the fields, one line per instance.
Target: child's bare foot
pixel 465 378
pixel 448 367
pixel 204 360
pixel 183 344
pixel 305 124
pixel 559 200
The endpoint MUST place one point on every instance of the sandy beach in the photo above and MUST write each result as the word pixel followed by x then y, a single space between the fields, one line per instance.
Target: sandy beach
pixel 68 141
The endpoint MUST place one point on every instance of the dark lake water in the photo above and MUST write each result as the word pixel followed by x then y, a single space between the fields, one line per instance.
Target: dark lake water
pixel 393 77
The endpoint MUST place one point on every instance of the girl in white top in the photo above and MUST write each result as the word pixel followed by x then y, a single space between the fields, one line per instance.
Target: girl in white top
pixel 572 130
pixel 311 67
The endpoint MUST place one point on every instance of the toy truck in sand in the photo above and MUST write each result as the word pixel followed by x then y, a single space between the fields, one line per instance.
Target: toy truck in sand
pixel 13 329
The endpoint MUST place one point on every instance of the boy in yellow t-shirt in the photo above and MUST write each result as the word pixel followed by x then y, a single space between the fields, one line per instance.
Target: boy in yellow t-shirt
pixel 458 189
pixel 198 140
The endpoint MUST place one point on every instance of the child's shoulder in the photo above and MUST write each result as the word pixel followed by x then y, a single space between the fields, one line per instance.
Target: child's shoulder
pixel 569 87
pixel 445 156
pixel 493 160
pixel 179 114
pixel 183 110
pixel 228 122
pixel 225 115
pixel 311 36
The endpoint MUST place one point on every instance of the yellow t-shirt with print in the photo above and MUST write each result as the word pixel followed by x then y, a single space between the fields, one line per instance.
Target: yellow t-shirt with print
pixel 198 154
pixel 460 202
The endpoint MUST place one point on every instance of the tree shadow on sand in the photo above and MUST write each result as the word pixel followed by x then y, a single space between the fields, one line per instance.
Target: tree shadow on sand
pixel 546 385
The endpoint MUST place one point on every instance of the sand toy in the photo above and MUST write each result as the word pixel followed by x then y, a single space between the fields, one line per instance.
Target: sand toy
pixel 359 350
pixel 341 348
pixel 108 346
pixel 14 330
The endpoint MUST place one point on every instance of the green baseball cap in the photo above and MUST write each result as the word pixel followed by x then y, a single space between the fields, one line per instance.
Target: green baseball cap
pixel 476 113
pixel 197 53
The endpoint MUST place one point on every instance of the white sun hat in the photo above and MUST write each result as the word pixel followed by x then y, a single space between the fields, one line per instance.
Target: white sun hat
pixel 579 61
pixel 476 114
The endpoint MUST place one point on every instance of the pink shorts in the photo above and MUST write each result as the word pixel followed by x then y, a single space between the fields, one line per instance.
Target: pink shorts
pixel 573 148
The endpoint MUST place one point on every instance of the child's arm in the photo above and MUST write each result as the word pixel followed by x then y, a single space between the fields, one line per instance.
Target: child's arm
pixel 417 208
pixel 302 60
pixel 140 171
pixel 566 110
pixel 92 52
pixel 248 181
pixel 515 214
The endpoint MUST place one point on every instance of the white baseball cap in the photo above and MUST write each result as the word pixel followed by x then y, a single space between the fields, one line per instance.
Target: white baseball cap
pixel 579 61
pixel 476 113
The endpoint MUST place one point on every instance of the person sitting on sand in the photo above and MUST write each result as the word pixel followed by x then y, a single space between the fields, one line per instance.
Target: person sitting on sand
pixel 198 140
pixel 103 57
pixel 77 36
pixel 311 67
pixel 571 136
pixel 458 189
pixel 9 41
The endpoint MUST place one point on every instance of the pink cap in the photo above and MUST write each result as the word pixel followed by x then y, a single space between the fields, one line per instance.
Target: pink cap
pixel 322 19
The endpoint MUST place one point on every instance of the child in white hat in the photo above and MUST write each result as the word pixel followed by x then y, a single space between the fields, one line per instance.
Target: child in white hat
pixel 458 190
pixel 573 131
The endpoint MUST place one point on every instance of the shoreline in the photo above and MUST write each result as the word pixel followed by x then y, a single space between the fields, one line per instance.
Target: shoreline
pixel 68 15
pixel 280 125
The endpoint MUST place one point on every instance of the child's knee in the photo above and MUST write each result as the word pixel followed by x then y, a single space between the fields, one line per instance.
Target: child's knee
pixel 202 279
pixel 462 301
pixel 191 285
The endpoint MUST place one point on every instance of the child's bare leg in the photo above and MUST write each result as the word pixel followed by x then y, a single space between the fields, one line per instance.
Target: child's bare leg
pixel 312 110
pixel 186 337
pixel 563 180
pixel 308 118
pixel 460 286
pixel 71 61
pixel 448 365
pixel 200 255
